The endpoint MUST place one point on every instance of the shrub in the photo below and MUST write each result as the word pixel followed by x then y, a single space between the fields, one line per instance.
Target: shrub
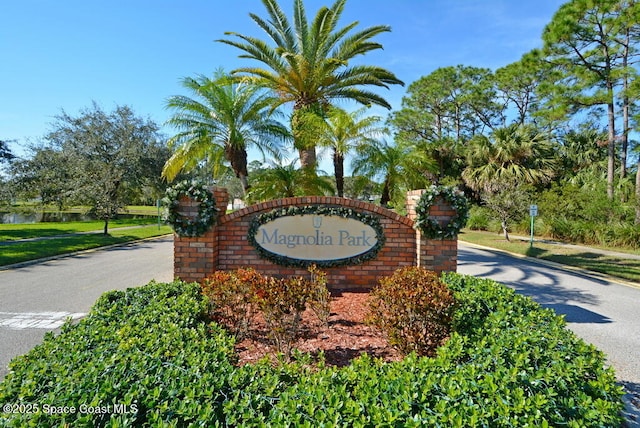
pixel 235 298
pixel 285 300
pixel 479 218
pixel 507 363
pixel 231 297
pixel 320 299
pixel 552 371
pixel 148 350
pixel 414 308
pixel 282 302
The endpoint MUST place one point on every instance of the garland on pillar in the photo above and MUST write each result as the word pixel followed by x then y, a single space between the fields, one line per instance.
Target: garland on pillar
pixel 207 211
pixel 430 227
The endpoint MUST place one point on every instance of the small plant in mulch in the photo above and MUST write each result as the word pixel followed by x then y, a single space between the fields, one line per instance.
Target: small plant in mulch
pixel 232 300
pixel 414 308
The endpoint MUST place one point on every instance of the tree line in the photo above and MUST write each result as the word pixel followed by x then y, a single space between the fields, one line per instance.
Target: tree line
pixel 554 126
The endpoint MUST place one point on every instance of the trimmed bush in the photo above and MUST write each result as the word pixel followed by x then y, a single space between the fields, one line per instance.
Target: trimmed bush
pixel 507 363
pixel 232 300
pixel 414 308
pixel 235 297
pixel 479 218
pixel 147 350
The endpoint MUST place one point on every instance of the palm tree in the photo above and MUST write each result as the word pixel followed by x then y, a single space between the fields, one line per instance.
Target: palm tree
pixel 225 114
pixel 511 155
pixel 283 181
pixel 399 166
pixel 308 64
pixel 344 131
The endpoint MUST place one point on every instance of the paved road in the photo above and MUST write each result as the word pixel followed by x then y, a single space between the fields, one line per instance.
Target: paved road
pixel 38 298
pixel 604 313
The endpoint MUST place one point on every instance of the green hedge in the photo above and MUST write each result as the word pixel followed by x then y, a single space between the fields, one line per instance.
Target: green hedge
pixel 149 349
pixel 509 363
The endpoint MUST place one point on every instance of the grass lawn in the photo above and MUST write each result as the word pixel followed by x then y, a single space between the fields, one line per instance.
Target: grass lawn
pixel 11 232
pixel 25 251
pixel 618 267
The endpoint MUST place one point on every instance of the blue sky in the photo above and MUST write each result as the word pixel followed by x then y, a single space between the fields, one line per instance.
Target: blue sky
pixel 64 54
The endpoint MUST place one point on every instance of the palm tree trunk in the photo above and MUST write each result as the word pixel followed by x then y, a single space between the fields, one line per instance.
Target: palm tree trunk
pixel 237 157
pixel 338 168
pixel 386 194
pixel 308 158
pixel 302 128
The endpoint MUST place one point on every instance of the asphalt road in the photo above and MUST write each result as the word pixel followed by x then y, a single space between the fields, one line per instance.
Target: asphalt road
pixel 39 297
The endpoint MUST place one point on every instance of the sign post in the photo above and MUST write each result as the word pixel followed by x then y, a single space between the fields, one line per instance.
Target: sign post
pixel 533 212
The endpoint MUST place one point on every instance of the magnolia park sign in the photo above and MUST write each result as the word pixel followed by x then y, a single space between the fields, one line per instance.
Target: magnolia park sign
pixel 320 235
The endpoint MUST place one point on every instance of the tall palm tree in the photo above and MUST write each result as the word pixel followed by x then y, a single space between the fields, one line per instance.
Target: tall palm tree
pixel 307 64
pixel 225 114
pixel 399 166
pixel 344 131
pixel 512 155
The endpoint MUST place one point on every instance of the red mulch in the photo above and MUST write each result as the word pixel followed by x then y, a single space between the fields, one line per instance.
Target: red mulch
pixel 345 338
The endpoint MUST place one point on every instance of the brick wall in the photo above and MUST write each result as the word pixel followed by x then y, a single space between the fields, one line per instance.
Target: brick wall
pixel 226 246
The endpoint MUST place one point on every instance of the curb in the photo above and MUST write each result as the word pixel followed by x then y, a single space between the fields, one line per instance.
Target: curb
pixel 566 268
pixel 77 253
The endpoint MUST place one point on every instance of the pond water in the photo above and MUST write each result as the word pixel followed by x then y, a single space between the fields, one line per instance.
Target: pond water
pixel 40 217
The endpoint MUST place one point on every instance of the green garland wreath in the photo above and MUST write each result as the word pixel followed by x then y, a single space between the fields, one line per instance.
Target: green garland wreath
pixel 207 211
pixel 431 228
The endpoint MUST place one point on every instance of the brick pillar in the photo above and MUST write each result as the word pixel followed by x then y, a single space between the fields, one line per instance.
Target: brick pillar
pixel 438 255
pixel 195 258
pixel 412 200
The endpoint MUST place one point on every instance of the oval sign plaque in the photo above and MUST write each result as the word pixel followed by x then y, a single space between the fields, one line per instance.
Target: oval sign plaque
pixel 326 237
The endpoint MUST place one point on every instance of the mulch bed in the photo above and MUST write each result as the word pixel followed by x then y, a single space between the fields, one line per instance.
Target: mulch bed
pixel 346 337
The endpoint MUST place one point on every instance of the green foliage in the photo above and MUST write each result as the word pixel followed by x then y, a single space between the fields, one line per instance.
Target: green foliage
pixel 219 124
pixel 342 132
pixel 146 348
pixel 508 363
pixel 285 181
pixel 414 308
pixel 508 205
pixel 479 218
pixel 307 61
pixel 504 332
pixel 575 214
pixel 400 167
pixel 101 160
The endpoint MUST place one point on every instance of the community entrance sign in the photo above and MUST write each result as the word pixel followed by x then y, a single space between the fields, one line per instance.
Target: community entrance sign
pixel 316 235
pixel 354 242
